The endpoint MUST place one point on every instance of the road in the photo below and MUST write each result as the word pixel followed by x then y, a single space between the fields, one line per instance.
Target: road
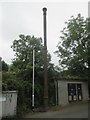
pixel 73 111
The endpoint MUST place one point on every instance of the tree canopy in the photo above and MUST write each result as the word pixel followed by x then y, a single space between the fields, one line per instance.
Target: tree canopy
pixel 73 47
pixel 5 66
pixel 19 76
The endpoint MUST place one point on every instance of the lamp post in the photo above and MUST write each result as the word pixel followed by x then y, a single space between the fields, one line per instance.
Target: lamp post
pixel 45 62
pixel 33 81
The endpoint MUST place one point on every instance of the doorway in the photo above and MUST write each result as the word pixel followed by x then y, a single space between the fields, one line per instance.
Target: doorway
pixel 74 92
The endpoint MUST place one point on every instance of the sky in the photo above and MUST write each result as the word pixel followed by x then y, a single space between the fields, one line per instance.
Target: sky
pixel 27 18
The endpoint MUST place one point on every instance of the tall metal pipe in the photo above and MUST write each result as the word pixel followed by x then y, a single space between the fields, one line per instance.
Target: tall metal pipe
pixel 45 62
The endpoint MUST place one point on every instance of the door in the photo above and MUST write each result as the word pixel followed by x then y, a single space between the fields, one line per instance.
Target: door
pixel 71 92
pixel 74 92
pixel 79 92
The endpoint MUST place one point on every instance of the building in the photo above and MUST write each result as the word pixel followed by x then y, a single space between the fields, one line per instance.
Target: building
pixel 89 9
pixel 0 87
pixel 71 90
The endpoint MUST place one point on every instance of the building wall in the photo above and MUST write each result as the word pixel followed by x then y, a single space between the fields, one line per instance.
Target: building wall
pixel 89 9
pixel 0 87
pixel 9 103
pixel 63 91
pixel 85 90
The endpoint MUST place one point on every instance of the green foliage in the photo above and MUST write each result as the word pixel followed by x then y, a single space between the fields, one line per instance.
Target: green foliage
pixel 73 47
pixel 4 66
pixel 23 68
pixel 19 76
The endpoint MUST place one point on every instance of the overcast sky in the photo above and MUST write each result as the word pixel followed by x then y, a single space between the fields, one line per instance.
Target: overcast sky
pixel 27 18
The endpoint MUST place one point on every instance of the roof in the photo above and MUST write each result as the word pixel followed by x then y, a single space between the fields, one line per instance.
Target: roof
pixel 74 79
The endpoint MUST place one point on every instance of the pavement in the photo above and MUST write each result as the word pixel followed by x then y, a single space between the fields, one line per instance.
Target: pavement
pixel 77 110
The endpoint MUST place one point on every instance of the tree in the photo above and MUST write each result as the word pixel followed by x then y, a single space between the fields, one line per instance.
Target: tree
pixel 5 74
pixel 73 48
pixel 5 66
pixel 22 67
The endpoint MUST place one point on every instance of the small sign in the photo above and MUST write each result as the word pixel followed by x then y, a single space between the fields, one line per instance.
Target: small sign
pixel 2 99
pixel 70 98
pixel 75 97
pixel 80 97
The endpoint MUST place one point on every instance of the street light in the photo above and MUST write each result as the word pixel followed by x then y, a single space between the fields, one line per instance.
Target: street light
pixel 33 81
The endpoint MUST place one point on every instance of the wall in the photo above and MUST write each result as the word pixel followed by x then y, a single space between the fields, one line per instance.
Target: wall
pixel 89 9
pixel 9 103
pixel 0 87
pixel 63 91
pixel 85 90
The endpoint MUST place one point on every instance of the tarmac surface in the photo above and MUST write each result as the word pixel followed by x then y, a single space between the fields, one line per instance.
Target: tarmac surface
pixel 77 110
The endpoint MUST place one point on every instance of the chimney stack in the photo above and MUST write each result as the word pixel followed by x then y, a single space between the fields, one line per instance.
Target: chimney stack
pixel 45 62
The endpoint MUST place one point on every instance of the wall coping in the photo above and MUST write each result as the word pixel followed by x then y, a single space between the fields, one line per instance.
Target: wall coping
pixel 72 79
pixel 9 91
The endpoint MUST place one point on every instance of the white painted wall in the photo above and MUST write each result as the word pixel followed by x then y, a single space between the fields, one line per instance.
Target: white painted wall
pixel 0 87
pixel 85 90
pixel 0 107
pixel 63 91
pixel 89 9
pixel 9 103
